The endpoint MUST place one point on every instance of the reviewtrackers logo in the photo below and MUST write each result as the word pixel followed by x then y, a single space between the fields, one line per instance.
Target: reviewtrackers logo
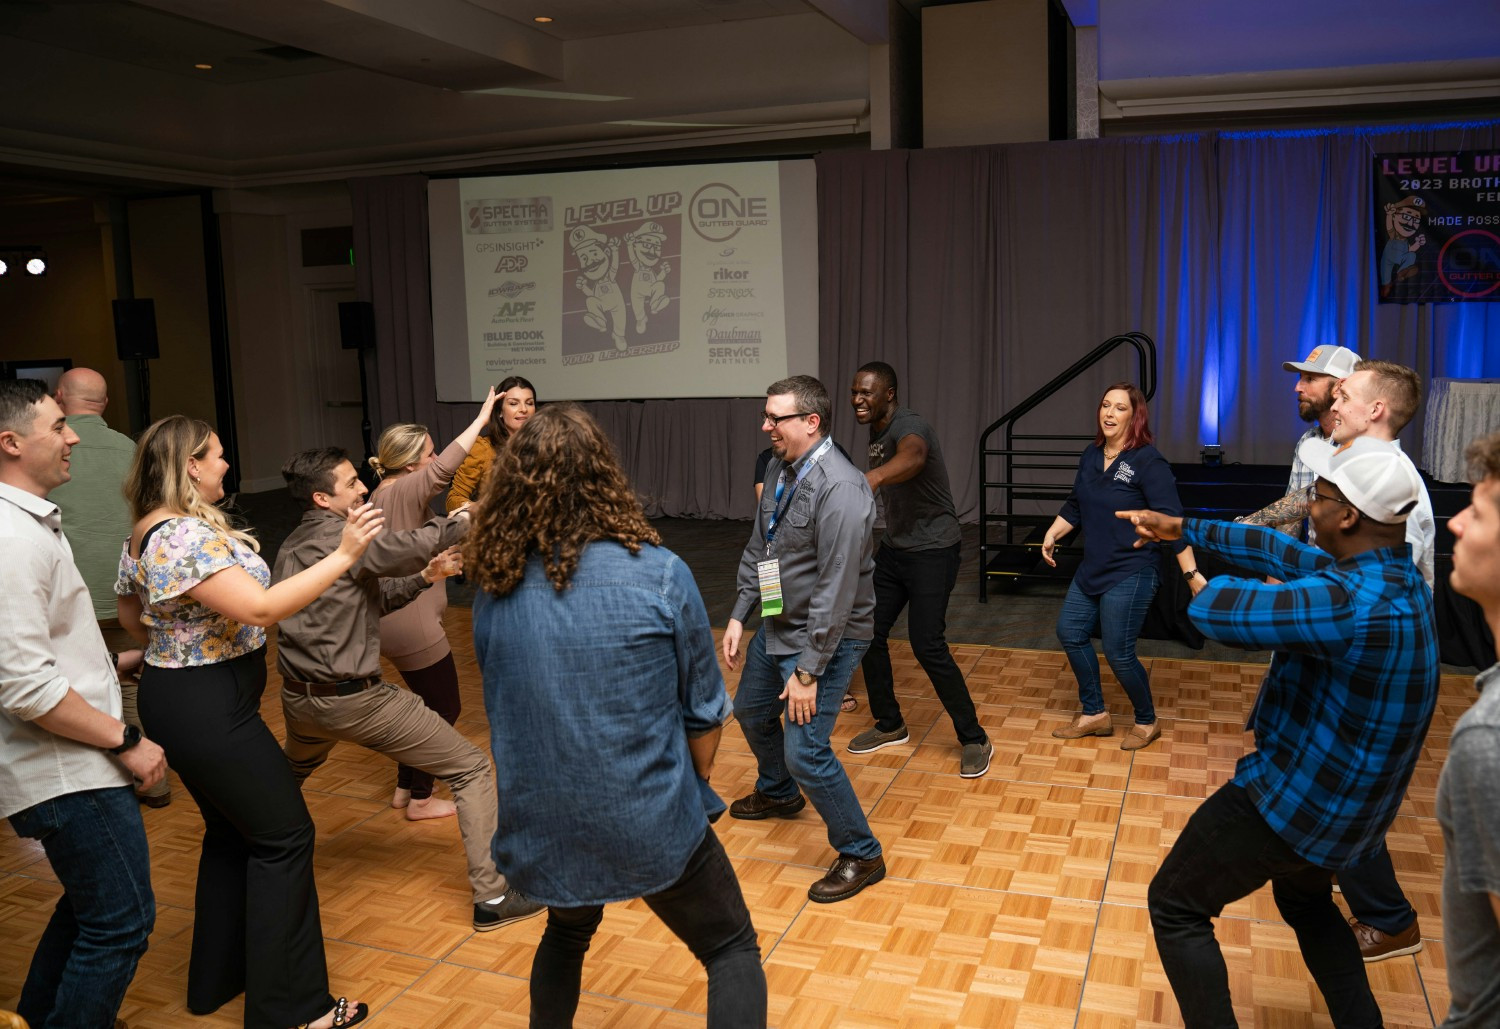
pixel 717 212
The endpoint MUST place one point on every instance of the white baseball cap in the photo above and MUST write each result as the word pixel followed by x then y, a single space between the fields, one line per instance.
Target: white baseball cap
pixel 1336 361
pixel 1379 480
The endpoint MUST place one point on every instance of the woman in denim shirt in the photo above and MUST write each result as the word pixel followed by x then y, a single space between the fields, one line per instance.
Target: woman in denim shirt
pixel 1114 586
pixel 605 703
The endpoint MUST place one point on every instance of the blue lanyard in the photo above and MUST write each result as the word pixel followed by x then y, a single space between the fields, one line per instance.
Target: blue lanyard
pixel 780 507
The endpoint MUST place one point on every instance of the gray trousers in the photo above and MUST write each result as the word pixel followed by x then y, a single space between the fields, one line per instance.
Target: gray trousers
pixel 396 723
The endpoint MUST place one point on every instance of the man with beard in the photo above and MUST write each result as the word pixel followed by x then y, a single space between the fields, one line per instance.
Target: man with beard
pixel 1317 377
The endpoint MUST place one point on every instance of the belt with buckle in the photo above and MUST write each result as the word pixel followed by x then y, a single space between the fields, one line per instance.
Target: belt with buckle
pixel 347 688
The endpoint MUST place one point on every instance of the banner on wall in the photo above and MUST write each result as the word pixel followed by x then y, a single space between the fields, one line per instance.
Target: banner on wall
pixel 688 281
pixel 1437 226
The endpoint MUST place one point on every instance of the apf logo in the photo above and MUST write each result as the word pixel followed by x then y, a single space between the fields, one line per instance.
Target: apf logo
pixel 717 212
pixel 511 263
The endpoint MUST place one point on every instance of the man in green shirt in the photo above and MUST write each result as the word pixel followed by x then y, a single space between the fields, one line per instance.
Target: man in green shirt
pixel 96 520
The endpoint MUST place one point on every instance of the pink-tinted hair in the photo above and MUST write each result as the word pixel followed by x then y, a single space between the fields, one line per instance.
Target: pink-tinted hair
pixel 1138 432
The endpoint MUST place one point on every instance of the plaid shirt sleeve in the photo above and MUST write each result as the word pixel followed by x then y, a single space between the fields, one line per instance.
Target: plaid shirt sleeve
pixel 1256 547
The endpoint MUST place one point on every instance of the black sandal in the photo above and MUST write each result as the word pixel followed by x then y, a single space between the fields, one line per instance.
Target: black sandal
pixel 341 1016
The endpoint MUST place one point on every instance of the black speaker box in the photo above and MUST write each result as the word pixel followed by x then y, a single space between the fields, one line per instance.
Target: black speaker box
pixel 135 329
pixel 357 324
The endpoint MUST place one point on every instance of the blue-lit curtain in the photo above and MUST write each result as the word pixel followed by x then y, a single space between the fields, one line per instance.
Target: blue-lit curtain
pixel 1297 269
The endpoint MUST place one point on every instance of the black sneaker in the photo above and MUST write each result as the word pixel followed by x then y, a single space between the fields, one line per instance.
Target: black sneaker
pixel 511 906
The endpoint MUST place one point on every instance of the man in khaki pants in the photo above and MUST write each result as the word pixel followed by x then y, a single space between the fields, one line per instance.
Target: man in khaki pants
pixel 329 660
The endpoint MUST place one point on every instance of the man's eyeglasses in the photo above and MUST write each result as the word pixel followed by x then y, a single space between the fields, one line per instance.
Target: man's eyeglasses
pixel 1324 496
pixel 777 419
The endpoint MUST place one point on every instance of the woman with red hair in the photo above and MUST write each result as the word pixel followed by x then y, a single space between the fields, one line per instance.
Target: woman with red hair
pixel 1114 586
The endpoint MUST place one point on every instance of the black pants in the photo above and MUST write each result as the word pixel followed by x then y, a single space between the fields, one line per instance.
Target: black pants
pixel 437 685
pixel 1374 896
pixel 1227 851
pixel 704 908
pixel 924 579
pixel 255 924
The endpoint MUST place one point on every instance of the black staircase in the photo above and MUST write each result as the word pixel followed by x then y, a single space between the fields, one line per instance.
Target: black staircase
pixel 1010 543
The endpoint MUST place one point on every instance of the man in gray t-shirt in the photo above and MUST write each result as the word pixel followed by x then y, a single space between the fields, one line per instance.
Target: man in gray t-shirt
pixel 915 567
pixel 1471 777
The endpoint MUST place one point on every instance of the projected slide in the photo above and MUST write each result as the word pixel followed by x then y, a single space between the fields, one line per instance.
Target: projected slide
pixel 691 281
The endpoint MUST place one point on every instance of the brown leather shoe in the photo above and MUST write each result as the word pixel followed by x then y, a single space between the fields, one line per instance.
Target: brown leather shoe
pixel 845 878
pixel 1375 945
pixel 758 806
pixel 1086 725
pixel 1141 736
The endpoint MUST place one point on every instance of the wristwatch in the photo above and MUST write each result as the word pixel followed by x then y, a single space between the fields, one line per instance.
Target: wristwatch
pixel 1188 575
pixel 806 678
pixel 132 737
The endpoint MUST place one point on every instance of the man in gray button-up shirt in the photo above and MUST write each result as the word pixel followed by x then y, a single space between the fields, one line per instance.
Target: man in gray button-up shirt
pixel 66 758
pixel 809 569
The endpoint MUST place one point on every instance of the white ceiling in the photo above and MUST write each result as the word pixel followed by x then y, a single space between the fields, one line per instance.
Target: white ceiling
pixel 309 89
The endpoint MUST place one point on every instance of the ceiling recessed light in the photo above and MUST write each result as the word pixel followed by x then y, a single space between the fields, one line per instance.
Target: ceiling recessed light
pixel 204 67
pixel 542 19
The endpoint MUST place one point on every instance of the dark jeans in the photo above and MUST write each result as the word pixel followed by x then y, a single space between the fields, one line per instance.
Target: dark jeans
pixel 923 579
pixel 704 908
pixel 98 931
pixel 1116 616
pixel 437 685
pixel 1225 852
pixel 255 919
pixel 1374 896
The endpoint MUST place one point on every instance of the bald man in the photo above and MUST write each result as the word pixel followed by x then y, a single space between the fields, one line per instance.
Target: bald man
pixel 96 521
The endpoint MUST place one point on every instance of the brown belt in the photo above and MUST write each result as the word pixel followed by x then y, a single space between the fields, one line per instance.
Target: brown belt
pixel 347 688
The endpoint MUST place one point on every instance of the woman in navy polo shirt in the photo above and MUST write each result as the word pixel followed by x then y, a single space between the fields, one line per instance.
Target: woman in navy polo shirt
pixel 1116 582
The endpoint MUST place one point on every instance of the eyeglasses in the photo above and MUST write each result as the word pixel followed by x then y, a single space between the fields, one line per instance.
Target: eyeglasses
pixel 777 419
pixel 1324 496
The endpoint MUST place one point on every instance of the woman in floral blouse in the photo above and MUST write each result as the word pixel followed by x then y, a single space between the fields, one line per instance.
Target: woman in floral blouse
pixel 195 591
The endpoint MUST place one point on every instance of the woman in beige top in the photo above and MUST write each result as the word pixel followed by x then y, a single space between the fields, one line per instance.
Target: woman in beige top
pixel 411 475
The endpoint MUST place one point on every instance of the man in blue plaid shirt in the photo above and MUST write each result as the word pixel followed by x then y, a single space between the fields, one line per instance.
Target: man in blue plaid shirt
pixel 1338 731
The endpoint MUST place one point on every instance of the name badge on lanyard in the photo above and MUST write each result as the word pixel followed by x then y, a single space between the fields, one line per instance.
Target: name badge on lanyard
pixel 769 570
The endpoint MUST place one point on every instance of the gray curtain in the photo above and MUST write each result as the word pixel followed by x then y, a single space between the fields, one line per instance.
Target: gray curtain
pixel 981 272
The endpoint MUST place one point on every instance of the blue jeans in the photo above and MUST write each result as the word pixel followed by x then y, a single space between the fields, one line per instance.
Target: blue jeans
pixel 1227 851
pixel 704 908
pixel 800 755
pixel 88 952
pixel 1116 616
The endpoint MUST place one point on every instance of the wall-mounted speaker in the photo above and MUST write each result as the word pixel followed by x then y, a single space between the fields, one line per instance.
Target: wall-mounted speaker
pixel 357 324
pixel 135 329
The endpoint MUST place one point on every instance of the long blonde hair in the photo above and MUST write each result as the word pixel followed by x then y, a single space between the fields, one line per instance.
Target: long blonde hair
pixel 400 445
pixel 158 475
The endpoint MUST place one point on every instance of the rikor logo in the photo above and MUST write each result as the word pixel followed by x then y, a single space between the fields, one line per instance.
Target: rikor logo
pixel 511 263
pixel 717 212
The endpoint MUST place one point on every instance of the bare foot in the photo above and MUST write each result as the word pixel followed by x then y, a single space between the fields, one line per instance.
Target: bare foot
pixel 400 798
pixel 432 807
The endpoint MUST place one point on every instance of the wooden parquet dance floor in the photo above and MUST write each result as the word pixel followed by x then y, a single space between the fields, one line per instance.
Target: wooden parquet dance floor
pixel 1012 900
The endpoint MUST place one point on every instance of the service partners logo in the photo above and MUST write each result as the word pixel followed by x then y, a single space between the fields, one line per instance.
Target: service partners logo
pixel 717 212
pixel 510 289
pixel 513 214
pixel 511 263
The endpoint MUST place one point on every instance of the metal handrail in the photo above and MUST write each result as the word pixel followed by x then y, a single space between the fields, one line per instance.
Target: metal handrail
pixel 1145 350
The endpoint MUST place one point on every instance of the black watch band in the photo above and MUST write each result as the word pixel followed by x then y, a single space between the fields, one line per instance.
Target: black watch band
pixel 806 678
pixel 1188 575
pixel 132 737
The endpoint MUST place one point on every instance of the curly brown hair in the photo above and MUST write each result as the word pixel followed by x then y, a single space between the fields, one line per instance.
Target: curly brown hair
pixel 554 488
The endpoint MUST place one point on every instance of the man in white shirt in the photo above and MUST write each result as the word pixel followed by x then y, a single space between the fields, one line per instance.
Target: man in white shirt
pixel 67 761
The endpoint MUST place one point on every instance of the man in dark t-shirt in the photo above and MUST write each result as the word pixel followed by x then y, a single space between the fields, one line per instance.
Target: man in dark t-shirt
pixel 917 564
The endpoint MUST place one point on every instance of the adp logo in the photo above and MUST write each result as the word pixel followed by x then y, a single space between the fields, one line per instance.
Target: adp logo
pixel 717 212
pixel 511 263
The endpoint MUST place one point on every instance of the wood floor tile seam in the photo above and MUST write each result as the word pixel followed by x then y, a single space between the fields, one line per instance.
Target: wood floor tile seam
pixel 1144 658
pixel 1099 909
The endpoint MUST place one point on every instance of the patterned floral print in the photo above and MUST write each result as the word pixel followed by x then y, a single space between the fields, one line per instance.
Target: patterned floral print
pixel 180 554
